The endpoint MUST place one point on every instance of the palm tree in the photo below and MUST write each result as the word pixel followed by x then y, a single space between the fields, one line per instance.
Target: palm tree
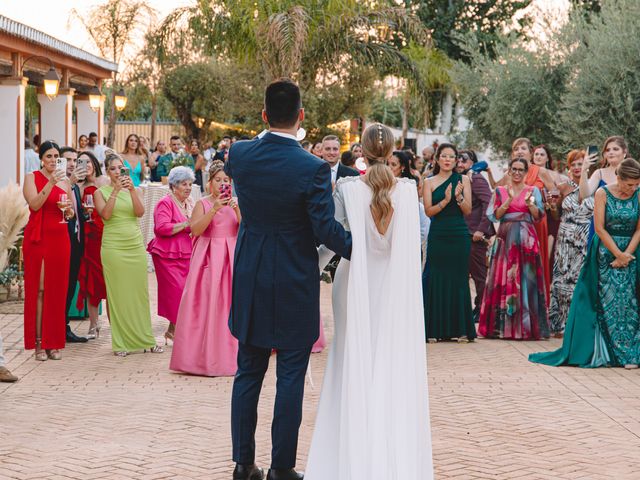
pixel 307 40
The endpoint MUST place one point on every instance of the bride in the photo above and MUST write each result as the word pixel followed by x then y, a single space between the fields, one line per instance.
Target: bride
pixel 373 417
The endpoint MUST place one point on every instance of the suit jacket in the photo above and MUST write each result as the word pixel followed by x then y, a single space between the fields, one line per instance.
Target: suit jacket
pixel 76 238
pixel 344 171
pixel 285 197
pixel 477 220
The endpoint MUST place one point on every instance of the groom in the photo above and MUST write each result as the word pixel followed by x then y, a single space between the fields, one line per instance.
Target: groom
pixel 285 197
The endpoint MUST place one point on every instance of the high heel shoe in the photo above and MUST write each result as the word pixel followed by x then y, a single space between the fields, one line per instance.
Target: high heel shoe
pixel 94 331
pixel 155 349
pixel 41 355
pixel 168 336
pixel 54 354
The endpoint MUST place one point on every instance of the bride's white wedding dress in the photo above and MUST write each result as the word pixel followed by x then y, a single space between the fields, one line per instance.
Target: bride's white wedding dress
pixel 373 417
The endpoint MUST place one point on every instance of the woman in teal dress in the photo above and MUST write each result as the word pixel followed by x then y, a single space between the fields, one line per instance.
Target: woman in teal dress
pixel 124 262
pixel 447 198
pixel 603 326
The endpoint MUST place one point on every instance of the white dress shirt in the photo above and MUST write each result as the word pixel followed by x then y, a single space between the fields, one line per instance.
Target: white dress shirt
pixel 334 172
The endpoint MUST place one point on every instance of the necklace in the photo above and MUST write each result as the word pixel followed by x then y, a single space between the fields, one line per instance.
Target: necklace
pixel 183 206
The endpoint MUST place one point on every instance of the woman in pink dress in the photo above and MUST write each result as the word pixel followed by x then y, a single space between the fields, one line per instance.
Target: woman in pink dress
pixel 171 246
pixel 203 344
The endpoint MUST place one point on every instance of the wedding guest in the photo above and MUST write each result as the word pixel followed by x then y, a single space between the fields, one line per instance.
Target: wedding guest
pixel 203 343
pixel 427 158
pixel 31 159
pixel 418 164
pixel 97 149
pixel 331 155
pixel 75 228
pixel 317 149
pixel 5 374
pixel 614 151
pixel 306 144
pixel 83 142
pixel 543 158
pixel 164 162
pixel 159 151
pixel 447 199
pixel 514 304
pixel 198 162
pixel 356 149
pixel 603 326
pixel 480 227
pixel 170 249
pixel 92 288
pixel 124 262
pixel 134 158
pixel 571 246
pixel 347 159
pixel 46 255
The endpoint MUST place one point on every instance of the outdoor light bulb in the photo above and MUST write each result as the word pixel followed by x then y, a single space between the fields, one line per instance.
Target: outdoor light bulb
pixel 51 83
pixel 120 100
pixel 95 98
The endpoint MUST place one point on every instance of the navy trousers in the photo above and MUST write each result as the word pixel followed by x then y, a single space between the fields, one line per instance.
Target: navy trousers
pixel 290 371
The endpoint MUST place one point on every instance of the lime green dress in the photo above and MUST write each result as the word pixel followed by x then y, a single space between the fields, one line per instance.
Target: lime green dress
pixel 124 263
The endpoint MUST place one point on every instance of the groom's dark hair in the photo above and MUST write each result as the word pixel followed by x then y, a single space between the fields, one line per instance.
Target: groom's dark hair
pixel 282 103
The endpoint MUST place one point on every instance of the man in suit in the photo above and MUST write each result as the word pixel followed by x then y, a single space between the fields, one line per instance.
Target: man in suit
pixel 76 233
pixel 331 154
pixel 164 162
pixel 285 196
pixel 480 227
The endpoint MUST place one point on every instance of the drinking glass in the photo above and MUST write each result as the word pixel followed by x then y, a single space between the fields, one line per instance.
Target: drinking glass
pixel 146 173
pixel 89 206
pixel 63 203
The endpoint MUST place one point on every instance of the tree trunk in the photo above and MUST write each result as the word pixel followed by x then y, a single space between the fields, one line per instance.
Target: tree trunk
pixel 112 119
pixel 154 112
pixel 405 117
pixel 447 113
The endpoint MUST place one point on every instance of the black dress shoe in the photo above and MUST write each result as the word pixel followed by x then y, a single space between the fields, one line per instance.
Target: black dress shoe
pixel 73 338
pixel 247 472
pixel 284 474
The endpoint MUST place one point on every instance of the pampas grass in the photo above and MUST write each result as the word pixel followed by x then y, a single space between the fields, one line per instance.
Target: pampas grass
pixel 14 214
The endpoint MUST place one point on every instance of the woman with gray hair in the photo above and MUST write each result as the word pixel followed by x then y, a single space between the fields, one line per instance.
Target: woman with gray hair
pixel 171 246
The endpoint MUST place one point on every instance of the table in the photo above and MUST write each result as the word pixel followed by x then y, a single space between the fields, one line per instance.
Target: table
pixel 152 193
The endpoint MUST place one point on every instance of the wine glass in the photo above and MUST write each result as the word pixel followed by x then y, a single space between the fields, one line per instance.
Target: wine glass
pixel 146 173
pixel 89 206
pixel 63 204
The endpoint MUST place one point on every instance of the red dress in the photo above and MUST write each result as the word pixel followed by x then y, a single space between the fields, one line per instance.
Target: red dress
pixel 46 245
pixel 90 277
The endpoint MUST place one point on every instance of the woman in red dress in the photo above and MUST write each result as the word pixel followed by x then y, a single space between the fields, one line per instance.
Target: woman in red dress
pixel 46 251
pixel 91 279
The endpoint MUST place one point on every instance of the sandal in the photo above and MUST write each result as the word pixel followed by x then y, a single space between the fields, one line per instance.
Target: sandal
pixel 463 340
pixel 54 354
pixel 121 354
pixel 155 349
pixel 41 355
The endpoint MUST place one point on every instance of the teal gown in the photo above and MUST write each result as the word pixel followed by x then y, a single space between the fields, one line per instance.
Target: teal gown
pixel 603 325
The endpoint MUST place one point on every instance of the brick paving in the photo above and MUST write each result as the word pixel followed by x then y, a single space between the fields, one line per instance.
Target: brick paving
pixel 494 415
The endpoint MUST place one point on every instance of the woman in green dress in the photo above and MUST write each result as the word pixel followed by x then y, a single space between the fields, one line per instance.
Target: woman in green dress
pixel 124 262
pixel 447 198
pixel 603 325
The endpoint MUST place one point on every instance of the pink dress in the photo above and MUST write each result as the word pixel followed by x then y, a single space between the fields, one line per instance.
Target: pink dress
pixel 171 254
pixel 203 344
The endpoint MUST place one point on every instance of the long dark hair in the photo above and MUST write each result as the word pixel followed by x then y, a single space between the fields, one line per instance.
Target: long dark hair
pixel 405 163
pixel 441 147
pixel 97 170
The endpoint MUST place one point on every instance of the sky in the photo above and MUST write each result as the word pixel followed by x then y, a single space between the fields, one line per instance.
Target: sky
pixel 51 16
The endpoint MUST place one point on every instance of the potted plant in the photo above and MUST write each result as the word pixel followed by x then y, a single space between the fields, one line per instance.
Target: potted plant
pixel 7 276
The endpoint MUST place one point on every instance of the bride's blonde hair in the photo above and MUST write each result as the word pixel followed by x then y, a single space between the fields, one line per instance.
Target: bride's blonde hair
pixel 377 146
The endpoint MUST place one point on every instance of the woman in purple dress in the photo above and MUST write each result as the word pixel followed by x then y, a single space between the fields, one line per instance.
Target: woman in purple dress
pixel 171 246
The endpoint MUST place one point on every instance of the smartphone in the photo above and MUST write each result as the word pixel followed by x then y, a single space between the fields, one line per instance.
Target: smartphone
pixel 61 164
pixel 592 150
pixel 225 190
pixel 124 172
pixel 81 166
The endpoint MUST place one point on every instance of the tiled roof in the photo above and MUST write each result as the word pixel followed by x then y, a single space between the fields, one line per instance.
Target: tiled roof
pixel 32 35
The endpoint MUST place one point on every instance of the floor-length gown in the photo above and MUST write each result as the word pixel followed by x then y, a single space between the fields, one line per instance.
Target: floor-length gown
pixel 124 263
pixel 603 327
pixel 373 416
pixel 514 303
pixel 542 230
pixel 203 344
pixel 46 247
pixel 571 248
pixel 447 306
pixel 91 277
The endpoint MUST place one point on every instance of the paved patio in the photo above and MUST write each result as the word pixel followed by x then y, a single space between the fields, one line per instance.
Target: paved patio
pixel 494 415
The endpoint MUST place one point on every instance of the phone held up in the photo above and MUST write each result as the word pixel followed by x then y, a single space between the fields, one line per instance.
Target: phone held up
pixel 61 164
pixel 225 190
pixel 592 150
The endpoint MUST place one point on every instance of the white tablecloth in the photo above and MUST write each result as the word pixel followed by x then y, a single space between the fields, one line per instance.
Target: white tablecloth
pixel 152 194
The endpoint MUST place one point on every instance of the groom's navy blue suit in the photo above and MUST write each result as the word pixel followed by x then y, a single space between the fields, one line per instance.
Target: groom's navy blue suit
pixel 285 197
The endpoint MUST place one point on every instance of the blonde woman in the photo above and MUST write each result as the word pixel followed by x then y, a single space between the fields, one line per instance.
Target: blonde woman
pixel 379 343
